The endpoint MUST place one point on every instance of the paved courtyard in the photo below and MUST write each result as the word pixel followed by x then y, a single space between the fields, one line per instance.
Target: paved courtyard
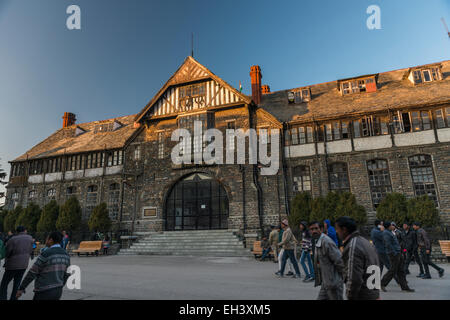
pixel 170 277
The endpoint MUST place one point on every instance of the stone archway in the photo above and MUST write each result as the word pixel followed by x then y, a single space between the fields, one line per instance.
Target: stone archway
pixel 196 202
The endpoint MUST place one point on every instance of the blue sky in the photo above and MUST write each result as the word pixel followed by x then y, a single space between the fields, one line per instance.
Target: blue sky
pixel 127 49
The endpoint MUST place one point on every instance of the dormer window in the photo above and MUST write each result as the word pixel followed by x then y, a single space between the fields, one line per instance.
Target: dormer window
pixel 107 127
pixel 299 95
pixel 358 85
pixel 425 75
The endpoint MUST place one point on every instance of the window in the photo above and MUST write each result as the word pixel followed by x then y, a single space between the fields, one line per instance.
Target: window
pixel 414 121
pixel 370 126
pixel 359 85
pixel 188 95
pixel 422 175
pixel 160 145
pixel 231 125
pixel 300 135
pixel 71 191
pixel 115 158
pixel 294 136
pixel 301 179
pixel 15 196
pixel 299 95
pixel 113 201
pixel 51 194
pixel 338 177
pixel 425 75
pixel 439 116
pixel 379 180
pixel 32 194
pixel 91 200
pixel 336 130
pixel 137 152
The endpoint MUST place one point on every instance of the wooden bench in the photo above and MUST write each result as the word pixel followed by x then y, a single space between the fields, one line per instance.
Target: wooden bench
pixel 445 248
pixel 258 250
pixel 88 247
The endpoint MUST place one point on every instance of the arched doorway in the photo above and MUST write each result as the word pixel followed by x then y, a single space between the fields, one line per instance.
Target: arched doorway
pixel 197 202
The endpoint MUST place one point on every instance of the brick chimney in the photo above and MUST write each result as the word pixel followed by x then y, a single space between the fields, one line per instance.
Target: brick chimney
pixel 68 119
pixel 255 75
pixel 265 89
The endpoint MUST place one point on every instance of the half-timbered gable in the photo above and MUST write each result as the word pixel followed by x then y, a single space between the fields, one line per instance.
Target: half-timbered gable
pixel 192 88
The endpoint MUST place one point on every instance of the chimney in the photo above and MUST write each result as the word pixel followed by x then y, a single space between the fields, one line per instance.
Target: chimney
pixel 265 89
pixel 68 119
pixel 255 75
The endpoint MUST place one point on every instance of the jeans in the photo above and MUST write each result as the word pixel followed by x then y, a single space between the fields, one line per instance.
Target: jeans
pixel 9 275
pixel 413 253
pixel 289 254
pixel 265 253
pixel 280 256
pixel 427 261
pixel 306 255
pixel 52 294
pixel 397 269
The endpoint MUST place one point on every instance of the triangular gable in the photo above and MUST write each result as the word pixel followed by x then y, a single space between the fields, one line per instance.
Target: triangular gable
pixel 217 92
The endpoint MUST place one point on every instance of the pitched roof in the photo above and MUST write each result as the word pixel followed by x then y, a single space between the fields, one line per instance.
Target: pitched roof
pixel 190 70
pixel 394 92
pixel 65 140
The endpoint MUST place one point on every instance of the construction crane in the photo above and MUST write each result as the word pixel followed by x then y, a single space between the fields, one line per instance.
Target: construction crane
pixel 445 26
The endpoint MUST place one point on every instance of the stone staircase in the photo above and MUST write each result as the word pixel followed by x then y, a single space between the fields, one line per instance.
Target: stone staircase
pixel 213 243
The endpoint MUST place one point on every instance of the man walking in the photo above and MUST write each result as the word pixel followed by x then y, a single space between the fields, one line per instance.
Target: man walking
pixel 395 259
pixel 411 246
pixel 17 255
pixel 306 252
pixel 425 251
pixel 358 255
pixel 49 272
pixel 288 243
pixel 377 238
pixel 328 265
pixel 273 241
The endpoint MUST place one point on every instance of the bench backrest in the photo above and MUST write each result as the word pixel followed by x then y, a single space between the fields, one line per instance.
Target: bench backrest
pixel 257 246
pixel 97 245
pixel 445 246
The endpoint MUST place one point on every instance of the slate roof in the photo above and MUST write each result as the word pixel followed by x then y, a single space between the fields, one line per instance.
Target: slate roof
pixel 64 141
pixel 394 91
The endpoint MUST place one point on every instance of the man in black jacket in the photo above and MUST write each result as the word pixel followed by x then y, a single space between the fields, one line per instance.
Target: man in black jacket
pixel 425 251
pixel 411 246
pixel 358 255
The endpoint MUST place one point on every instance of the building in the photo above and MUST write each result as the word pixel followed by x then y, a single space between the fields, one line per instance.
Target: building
pixel 371 134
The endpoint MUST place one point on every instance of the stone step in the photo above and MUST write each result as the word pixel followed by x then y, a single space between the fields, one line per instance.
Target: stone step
pixel 195 242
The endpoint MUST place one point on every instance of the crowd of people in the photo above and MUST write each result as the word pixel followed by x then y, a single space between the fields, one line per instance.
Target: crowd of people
pixel 336 256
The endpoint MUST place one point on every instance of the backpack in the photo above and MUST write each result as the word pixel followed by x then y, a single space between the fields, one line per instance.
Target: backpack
pixel 2 250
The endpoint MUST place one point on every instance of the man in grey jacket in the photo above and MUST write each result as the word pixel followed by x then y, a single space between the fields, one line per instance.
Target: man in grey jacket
pixel 328 265
pixel 18 251
pixel 359 257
